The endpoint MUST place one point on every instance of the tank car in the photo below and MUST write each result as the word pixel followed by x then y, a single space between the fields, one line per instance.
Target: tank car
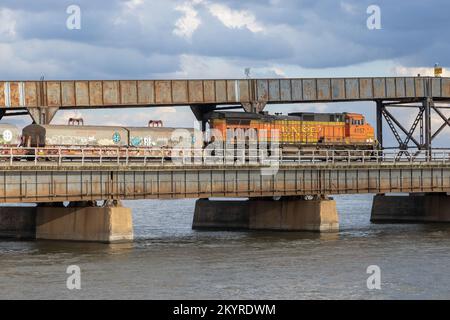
pixel 157 141
pixel 9 135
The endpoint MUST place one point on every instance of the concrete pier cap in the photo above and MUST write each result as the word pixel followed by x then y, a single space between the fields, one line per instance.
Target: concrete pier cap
pixel 413 207
pixel 78 221
pixel 317 213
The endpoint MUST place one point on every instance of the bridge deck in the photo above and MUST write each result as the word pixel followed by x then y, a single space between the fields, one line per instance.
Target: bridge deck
pixel 131 93
pixel 56 183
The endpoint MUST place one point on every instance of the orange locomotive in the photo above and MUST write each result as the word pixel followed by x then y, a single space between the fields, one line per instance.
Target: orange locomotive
pixel 299 130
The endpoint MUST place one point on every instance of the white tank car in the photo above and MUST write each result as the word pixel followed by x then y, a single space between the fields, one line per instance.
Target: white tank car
pixel 162 137
pixel 9 135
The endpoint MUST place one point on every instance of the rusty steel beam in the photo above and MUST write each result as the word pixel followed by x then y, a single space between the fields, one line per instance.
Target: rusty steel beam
pixel 252 94
pixel 47 184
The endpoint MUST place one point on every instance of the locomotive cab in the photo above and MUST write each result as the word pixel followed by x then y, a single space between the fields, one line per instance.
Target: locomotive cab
pixel 357 129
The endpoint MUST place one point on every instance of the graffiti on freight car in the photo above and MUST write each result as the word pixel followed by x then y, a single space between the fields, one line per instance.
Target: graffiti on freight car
pixel 74 140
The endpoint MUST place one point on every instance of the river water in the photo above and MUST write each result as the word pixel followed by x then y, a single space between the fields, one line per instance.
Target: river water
pixel 168 260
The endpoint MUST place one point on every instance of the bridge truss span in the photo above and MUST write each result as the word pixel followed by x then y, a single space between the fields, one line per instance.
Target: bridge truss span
pixel 52 183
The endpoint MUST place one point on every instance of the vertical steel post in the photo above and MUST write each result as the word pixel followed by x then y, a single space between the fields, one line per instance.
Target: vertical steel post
pixel 427 119
pixel 380 122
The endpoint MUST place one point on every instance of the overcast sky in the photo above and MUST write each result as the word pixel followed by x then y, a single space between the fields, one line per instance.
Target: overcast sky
pixel 121 39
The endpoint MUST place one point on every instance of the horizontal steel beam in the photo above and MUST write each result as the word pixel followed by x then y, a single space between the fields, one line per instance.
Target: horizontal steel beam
pixel 138 93
pixel 75 184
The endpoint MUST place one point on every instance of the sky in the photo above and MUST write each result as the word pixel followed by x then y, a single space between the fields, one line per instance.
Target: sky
pixel 149 39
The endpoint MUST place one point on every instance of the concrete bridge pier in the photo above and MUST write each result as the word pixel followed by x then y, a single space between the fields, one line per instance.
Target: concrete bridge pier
pixel 285 214
pixel 79 221
pixel 83 221
pixel 415 207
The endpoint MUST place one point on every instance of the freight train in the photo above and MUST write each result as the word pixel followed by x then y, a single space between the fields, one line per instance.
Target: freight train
pixel 298 131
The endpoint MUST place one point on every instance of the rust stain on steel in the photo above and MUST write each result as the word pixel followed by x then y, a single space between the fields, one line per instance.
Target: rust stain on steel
pixel 96 93
pixel 2 94
pixel 68 93
pixel 446 87
pixel 390 87
pixel 146 92
pixel 297 90
pixel 338 89
pixel 352 89
pixel 53 93
pixel 419 87
pixel 128 92
pixel 195 91
pixel 141 183
pixel 30 94
pixel 379 88
pixel 82 93
pixel 163 92
pixel 410 88
pixel 365 88
pixel 14 94
pixel 209 90
pixel 285 90
pixel 400 87
pixel 110 92
pixel 436 87
pixel 309 89
pixel 180 91
pixel 323 89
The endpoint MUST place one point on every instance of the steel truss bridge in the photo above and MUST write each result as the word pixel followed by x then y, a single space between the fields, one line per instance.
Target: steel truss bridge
pixel 427 95
pixel 50 177
pixel 414 165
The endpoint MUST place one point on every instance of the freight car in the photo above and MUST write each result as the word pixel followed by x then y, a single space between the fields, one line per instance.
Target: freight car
pixel 9 137
pixel 298 131
pixel 154 141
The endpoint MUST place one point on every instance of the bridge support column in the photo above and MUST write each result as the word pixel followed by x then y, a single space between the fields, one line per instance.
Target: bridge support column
pixel 432 207
pixel 18 222
pixel 286 214
pixel 81 222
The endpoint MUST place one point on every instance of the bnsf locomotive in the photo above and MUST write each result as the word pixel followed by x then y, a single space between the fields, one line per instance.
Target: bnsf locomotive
pixel 300 130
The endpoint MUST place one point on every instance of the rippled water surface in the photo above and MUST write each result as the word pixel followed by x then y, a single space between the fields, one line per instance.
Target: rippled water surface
pixel 168 260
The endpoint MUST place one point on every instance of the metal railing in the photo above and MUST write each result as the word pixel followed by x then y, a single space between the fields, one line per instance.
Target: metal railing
pixel 164 156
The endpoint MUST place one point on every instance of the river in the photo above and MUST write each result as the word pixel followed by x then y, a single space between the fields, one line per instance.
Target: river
pixel 168 260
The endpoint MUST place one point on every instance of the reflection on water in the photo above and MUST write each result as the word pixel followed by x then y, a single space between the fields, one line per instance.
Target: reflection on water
pixel 168 260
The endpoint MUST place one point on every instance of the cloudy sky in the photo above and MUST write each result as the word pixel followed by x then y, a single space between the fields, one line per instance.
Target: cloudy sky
pixel 129 39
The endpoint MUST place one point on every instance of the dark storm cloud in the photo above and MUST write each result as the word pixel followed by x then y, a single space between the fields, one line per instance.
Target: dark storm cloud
pixel 123 38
